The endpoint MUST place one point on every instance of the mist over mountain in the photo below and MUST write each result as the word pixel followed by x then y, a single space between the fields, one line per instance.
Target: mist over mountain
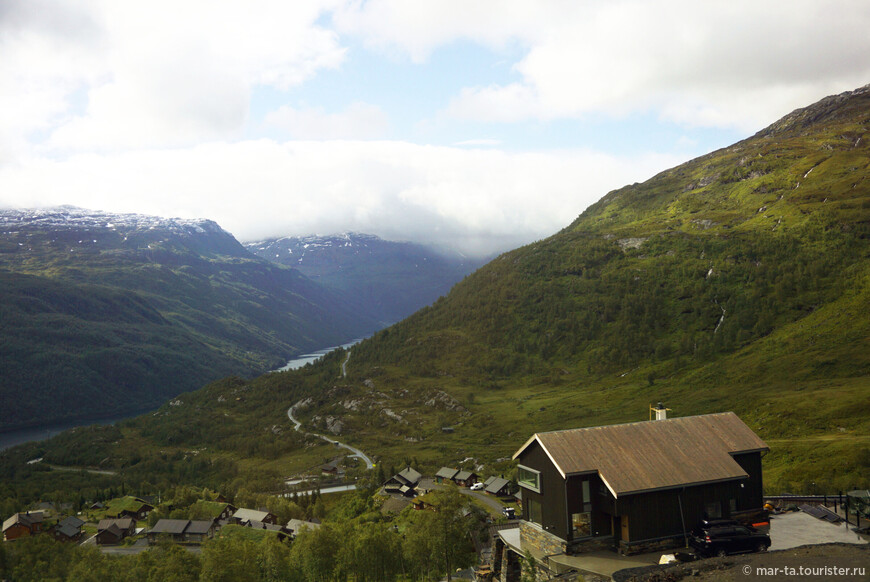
pixel 389 280
pixel 105 313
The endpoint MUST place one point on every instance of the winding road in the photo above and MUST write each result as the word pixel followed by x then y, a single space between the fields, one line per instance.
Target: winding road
pixel 297 425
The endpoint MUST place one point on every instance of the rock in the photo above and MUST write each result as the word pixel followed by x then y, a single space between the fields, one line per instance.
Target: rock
pixel 631 243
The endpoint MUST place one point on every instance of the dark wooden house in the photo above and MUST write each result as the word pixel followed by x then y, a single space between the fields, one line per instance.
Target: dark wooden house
pixel 172 529
pixel 498 486
pixel 638 486
pixel 131 507
pixel 181 530
pixel 22 525
pixel 113 531
pixel 404 482
pixel 465 478
pixel 445 474
pixel 69 529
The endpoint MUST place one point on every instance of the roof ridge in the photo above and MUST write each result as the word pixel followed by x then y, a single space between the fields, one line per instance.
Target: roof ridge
pixel 635 422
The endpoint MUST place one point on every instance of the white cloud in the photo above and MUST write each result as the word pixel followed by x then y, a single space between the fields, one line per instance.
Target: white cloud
pixel 482 142
pixel 159 73
pixel 737 64
pixel 357 121
pixel 480 201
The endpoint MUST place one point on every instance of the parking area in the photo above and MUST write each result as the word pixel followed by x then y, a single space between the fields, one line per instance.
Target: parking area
pixel 793 529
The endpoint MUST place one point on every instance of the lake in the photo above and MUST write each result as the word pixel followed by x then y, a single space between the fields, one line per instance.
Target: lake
pixel 304 359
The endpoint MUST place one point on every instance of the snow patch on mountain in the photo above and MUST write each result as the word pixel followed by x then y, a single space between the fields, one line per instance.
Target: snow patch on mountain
pixel 74 218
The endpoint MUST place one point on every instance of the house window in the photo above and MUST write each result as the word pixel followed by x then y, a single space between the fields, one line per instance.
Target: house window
pixel 534 506
pixel 581 525
pixel 529 478
pixel 732 505
pixel 713 510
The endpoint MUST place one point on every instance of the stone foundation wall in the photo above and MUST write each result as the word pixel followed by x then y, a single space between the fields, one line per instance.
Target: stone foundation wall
pixel 651 546
pixel 541 540
pixel 592 545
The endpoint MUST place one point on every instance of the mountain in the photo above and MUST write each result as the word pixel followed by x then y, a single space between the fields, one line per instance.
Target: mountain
pixel 389 280
pixel 106 313
pixel 738 281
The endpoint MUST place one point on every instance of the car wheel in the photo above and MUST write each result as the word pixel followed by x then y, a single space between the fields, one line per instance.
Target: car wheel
pixel 761 547
pixel 721 553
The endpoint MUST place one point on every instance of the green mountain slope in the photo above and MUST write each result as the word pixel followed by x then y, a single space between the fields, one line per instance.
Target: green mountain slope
pixel 737 281
pixel 101 318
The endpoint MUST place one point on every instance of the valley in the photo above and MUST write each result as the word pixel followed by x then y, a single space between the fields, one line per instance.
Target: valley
pixel 738 281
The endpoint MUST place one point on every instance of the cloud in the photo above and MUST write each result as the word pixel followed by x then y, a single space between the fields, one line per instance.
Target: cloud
pixel 158 73
pixel 357 121
pixel 479 200
pixel 481 142
pixel 736 64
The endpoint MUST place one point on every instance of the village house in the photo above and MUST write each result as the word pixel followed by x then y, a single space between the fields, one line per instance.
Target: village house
pixel 404 482
pixel 294 526
pixel 332 468
pixel 22 525
pixel 129 506
pixel 633 487
pixel 465 478
pixel 498 486
pixel 69 529
pixel 217 511
pixel 181 530
pixel 245 516
pixel 113 531
pixel 445 474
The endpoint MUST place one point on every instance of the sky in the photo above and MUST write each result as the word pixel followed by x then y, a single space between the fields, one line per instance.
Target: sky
pixel 480 126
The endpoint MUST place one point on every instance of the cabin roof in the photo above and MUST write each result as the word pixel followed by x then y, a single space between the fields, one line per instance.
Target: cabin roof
pixel 650 455
pixel 446 473
pixel 496 485
pixel 251 515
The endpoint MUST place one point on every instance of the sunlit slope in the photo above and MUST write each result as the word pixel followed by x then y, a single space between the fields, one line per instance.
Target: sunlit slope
pixel 736 281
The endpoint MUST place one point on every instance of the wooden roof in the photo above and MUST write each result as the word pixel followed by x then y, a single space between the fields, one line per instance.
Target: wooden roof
pixel 650 455
pixel 496 485
pixel 26 519
pixel 243 514
pixel 446 472
pixel 122 523
pixel 170 526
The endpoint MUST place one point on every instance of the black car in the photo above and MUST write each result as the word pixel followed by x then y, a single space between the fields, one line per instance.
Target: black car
pixel 721 538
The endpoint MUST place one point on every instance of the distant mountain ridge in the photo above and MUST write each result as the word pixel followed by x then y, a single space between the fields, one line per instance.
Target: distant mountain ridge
pixel 107 312
pixel 388 280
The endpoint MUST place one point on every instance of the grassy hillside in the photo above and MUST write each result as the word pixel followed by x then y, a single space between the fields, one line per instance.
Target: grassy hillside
pixel 738 281
pixel 97 321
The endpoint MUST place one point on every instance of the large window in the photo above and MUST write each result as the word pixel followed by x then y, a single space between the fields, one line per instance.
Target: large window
pixel 529 478
pixel 581 525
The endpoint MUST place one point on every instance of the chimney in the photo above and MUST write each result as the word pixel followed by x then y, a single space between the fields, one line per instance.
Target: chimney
pixel 661 412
